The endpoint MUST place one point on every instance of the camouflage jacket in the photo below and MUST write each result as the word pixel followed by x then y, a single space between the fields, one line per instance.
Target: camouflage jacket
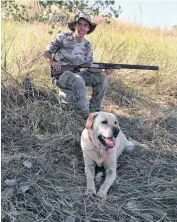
pixel 69 51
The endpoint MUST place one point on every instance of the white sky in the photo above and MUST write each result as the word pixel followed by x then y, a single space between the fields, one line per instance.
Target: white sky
pixel 149 13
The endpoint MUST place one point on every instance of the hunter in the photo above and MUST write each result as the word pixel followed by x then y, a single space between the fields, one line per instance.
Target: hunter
pixel 74 49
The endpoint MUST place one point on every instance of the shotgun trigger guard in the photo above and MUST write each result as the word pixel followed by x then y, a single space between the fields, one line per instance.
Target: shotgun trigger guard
pixel 76 69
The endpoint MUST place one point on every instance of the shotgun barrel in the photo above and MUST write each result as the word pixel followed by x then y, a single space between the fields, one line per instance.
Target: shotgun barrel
pixel 97 65
pixel 123 66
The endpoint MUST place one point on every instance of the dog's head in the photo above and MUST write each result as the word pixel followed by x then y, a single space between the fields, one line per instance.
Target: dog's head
pixel 104 128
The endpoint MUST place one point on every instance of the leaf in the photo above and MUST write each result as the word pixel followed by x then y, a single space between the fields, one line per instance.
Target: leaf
pixel 27 164
pixel 10 182
pixel 50 32
pixel 24 188
pixel 7 193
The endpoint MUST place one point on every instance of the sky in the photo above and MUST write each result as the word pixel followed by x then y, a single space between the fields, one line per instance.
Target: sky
pixel 149 13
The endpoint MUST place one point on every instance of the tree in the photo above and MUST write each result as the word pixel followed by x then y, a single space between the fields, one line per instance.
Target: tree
pixel 12 9
pixel 98 7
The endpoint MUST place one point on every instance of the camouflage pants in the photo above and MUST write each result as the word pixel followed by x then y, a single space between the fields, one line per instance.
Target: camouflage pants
pixel 73 89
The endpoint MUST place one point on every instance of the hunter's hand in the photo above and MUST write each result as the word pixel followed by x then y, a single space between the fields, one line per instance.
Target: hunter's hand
pixel 55 65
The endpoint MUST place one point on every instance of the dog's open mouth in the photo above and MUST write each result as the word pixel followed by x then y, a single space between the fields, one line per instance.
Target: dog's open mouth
pixel 107 141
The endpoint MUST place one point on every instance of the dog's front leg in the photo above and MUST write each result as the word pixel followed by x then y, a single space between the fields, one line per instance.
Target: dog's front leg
pixel 109 180
pixel 90 174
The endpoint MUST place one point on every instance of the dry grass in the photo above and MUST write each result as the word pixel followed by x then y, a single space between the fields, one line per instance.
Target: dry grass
pixel 42 165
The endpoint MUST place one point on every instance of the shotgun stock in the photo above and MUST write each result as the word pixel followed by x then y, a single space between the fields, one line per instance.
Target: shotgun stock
pixel 95 65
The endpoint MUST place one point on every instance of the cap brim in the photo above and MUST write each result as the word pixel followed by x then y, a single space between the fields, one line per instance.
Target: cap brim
pixel 71 27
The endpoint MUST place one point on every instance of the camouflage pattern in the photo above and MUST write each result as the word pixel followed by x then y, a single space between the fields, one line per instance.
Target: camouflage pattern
pixel 72 86
pixel 75 84
pixel 69 51
pixel 85 16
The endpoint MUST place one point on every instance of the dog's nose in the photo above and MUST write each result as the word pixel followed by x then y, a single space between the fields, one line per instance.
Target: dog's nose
pixel 115 131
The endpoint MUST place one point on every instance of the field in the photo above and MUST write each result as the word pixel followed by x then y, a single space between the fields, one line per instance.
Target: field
pixel 42 169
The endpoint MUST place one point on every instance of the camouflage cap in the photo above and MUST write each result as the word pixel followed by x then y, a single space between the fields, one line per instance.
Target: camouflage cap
pixel 85 16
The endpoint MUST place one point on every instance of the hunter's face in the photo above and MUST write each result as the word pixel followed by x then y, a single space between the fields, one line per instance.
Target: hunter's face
pixel 81 28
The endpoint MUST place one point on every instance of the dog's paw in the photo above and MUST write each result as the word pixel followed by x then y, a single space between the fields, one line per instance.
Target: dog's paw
pixel 101 195
pixel 90 195
pixel 91 192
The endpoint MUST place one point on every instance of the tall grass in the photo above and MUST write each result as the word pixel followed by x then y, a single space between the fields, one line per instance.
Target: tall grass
pixel 140 46
pixel 23 43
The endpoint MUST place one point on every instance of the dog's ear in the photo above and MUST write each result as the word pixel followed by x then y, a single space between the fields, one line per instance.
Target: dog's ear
pixel 90 120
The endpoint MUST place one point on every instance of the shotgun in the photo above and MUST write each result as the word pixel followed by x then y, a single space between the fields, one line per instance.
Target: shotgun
pixel 95 65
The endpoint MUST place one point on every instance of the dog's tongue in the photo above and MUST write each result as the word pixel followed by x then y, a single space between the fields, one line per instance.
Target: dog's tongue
pixel 110 142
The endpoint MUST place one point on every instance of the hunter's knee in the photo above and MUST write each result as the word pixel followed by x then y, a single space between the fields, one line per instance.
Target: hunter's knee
pixel 79 82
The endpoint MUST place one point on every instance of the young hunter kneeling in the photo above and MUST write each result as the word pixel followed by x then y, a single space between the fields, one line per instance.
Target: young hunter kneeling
pixel 72 48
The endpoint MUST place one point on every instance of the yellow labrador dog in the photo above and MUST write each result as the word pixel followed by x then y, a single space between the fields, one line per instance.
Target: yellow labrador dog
pixel 102 142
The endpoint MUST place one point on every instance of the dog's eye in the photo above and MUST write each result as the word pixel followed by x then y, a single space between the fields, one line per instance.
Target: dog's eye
pixel 115 122
pixel 105 122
